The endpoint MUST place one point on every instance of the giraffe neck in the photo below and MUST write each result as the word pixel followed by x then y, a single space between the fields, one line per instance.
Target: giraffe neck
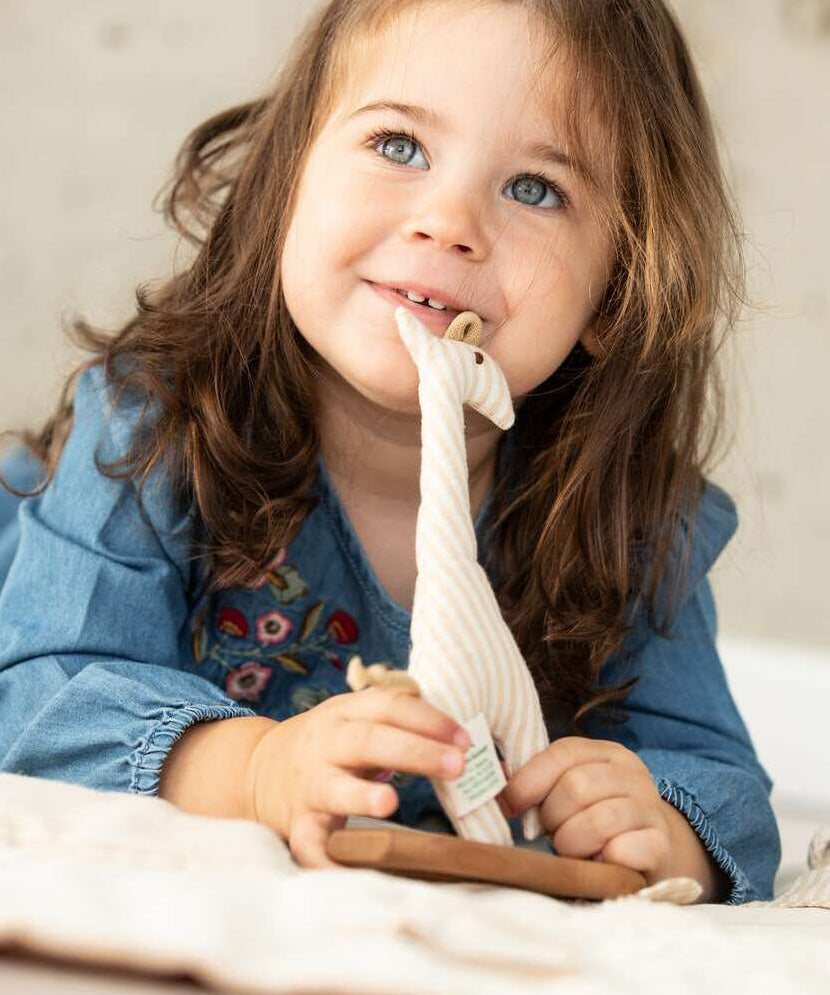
pixel 444 513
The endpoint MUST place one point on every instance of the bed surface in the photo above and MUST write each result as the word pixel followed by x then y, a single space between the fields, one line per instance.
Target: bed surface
pixel 221 901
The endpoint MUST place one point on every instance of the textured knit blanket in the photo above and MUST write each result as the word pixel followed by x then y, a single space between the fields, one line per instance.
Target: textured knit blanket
pixel 129 880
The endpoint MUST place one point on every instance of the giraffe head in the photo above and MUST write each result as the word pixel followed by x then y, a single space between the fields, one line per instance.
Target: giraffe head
pixel 476 377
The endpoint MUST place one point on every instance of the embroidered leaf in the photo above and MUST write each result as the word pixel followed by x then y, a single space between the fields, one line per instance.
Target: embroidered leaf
pixel 199 644
pixel 273 577
pixel 291 663
pixel 334 659
pixel 201 612
pixel 303 698
pixel 287 585
pixel 310 620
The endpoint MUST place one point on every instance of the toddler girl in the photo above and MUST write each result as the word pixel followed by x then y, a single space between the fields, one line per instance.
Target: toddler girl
pixel 222 510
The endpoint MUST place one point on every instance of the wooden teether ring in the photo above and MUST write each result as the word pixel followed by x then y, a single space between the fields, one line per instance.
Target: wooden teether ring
pixel 465 327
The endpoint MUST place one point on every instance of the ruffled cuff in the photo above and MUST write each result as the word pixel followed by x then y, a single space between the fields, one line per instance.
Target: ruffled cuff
pixel 742 890
pixel 148 758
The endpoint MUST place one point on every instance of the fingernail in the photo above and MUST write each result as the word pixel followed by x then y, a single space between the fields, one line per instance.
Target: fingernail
pixel 378 799
pixel 462 739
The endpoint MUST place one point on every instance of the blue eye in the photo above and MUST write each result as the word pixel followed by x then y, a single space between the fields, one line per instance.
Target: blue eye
pixel 397 142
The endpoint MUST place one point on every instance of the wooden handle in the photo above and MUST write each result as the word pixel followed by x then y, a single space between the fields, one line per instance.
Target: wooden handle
pixel 436 857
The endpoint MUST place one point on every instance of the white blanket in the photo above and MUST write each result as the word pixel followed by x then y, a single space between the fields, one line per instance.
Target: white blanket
pixel 132 881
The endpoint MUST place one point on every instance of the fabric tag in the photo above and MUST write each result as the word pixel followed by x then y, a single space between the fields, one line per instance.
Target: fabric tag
pixel 483 777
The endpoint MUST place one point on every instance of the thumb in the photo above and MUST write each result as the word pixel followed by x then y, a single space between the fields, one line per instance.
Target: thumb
pixel 309 835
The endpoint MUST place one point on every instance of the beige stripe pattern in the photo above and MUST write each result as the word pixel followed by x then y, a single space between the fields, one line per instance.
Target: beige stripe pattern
pixel 462 653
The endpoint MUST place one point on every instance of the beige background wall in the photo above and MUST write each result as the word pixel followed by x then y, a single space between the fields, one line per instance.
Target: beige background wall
pixel 97 96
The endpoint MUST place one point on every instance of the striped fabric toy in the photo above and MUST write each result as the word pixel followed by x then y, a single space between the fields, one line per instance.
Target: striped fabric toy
pixel 463 654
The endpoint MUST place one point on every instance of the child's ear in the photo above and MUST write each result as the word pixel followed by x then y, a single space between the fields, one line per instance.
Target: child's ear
pixel 590 342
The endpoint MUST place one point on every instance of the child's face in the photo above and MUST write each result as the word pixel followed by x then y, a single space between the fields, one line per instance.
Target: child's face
pixel 454 209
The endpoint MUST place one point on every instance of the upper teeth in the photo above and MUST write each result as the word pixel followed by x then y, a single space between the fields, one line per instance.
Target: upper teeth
pixel 438 305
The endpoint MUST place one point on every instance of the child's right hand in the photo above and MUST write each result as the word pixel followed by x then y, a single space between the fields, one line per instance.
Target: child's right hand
pixel 309 772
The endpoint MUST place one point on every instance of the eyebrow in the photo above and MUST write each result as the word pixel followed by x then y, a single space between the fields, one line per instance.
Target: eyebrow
pixel 427 116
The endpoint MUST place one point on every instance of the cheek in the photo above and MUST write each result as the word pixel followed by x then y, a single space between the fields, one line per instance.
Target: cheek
pixel 298 274
pixel 327 210
pixel 536 341
pixel 319 251
pixel 527 363
pixel 548 314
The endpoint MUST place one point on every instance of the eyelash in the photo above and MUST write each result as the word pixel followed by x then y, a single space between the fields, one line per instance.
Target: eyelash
pixel 374 139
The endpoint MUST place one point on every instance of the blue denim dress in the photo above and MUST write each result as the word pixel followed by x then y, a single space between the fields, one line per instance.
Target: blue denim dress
pixel 110 648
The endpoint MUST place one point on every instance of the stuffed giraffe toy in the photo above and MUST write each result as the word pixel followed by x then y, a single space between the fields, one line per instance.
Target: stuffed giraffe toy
pixel 463 657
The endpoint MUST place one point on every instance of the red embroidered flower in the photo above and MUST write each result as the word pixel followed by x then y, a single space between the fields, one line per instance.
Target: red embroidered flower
pixel 232 621
pixel 273 627
pixel 278 561
pixel 247 682
pixel 342 627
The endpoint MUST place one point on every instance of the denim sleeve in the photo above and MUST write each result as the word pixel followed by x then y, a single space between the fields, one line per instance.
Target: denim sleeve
pixel 91 614
pixel 684 725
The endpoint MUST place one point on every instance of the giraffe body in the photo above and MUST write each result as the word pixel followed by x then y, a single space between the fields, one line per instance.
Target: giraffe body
pixel 463 655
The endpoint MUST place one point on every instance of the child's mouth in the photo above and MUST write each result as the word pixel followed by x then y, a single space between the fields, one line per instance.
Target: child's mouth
pixel 443 310
pixel 436 320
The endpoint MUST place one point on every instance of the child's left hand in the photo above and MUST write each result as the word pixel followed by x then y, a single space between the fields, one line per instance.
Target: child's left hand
pixel 597 799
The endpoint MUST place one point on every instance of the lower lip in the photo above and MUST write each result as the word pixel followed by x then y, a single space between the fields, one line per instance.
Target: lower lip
pixel 435 321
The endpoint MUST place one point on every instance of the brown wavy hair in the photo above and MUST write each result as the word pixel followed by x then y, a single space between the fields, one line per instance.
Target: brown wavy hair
pixel 611 448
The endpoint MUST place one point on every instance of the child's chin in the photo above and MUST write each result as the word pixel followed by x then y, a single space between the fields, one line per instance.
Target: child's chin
pixel 399 397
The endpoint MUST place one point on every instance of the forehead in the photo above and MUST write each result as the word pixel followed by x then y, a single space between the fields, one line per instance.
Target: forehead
pixel 456 56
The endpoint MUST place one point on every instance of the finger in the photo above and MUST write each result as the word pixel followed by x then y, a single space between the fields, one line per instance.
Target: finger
pixel 373 744
pixel 647 850
pixel 506 811
pixel 396 708
pixel 501 798
pixel 530 785
pixel 339 793
pixel 307 839
pixel 588 832
pixel 582 786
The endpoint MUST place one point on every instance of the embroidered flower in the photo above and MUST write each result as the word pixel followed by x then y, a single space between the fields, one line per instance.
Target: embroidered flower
pixel 232 621
pixel 278 560
pixel 342 627
pixel 273 627
pixel 247 682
